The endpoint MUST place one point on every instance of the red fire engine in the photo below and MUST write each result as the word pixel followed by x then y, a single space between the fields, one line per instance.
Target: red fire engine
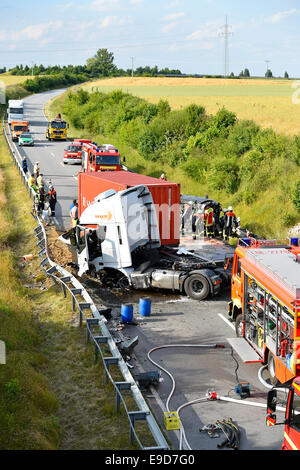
pixel 73 153
pixel 100 158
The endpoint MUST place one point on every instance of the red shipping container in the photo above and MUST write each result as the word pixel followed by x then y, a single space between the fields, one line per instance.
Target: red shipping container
pixel 166 197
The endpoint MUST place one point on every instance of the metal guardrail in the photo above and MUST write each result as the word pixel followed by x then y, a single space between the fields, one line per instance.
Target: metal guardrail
pixel 71 284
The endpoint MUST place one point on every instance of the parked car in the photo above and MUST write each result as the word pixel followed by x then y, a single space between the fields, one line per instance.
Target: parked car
pixel 26 139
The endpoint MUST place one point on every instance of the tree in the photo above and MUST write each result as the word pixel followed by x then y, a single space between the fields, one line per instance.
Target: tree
pixel 102 63
pixel 241 74
pixel 268 74
pixel 286 75
pixel 246 73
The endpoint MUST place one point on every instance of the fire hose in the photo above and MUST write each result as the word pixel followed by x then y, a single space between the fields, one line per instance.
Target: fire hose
pixel 230 429
pixel 182 431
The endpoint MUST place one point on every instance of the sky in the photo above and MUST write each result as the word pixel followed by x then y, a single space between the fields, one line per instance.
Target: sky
pixel 178 34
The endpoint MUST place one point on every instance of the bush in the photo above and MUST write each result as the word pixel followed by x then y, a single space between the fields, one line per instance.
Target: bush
pixel 224 175
pixel 39 84
pixel 296 196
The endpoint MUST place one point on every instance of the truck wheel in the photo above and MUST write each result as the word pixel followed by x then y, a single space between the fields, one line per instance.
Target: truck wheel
pixel 271 369
pixel 196 286
pixel 239 326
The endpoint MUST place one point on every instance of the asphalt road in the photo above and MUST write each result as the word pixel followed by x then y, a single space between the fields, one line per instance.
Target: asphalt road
pixel 174 320
pixel 50 157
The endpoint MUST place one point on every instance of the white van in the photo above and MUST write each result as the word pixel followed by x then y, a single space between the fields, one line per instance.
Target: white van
pixel 15 110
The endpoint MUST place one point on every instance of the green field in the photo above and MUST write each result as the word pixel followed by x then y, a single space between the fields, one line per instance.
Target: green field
pixel 267 102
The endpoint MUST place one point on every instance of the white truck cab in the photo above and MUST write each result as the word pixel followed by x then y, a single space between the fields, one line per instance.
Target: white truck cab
pixel 15 111
pixel 113 226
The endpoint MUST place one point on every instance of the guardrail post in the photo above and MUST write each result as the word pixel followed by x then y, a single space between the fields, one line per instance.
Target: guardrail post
pixel 108 361
pixel 63 288
pixel 75 292
pixel 99 340
pixel 135 416
pixel 81 307
pixel 89 322
pixel 120 386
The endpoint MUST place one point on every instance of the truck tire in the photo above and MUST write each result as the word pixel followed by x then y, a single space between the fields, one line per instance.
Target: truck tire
pixel 271 369
pixel 196 287
pixel 239 326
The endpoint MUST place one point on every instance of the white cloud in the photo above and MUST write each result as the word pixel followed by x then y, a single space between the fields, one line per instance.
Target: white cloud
pixel 35 31
pixel 281 15
pixel 66 6
pixel 102 5
pixel 135 2
pixel 207 31
pixel 174 16
pixel 168 27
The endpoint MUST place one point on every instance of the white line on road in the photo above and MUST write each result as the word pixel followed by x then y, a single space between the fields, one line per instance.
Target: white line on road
pixel 227 321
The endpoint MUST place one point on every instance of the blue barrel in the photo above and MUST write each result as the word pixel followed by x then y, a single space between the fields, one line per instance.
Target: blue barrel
pixel 295 241
pixel 245 242
pixel 127 313
pixel 145 306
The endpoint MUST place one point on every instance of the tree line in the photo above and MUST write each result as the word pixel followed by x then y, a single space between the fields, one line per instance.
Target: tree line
pixel 102 64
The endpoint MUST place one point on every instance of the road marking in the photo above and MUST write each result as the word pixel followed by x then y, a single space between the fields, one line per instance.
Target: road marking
pixel 53 155
pixel 226 321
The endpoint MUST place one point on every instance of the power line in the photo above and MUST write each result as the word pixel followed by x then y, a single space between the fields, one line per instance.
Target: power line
pixel 226 33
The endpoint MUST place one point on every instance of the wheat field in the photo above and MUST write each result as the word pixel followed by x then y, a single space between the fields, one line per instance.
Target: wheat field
pixel 9 80
pixel 267 102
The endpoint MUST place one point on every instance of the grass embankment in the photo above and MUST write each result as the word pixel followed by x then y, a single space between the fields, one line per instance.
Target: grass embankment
pixel 52 394
pixel 233 161
pixel 268 102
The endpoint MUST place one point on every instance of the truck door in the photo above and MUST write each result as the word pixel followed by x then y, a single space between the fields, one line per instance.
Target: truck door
pixel 236 282
pixel 292 428
pixel 83 252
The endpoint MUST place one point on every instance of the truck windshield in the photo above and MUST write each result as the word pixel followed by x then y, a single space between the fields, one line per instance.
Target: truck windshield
pixel 107 160
pixel 74 148
pixel 295 412
pixel 58 124
pixel 15 110
pixel 20 128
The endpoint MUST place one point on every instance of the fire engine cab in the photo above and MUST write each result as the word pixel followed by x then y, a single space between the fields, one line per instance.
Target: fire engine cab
pixel 100 158
pixel 72 153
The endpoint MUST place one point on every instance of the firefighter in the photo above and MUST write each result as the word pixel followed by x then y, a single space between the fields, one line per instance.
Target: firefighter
pixel 186 217
pixel 92 241
pixel 40 200
pixel 24 165
pixel 52 198
pixel 39 180
pixel 198 224
pixel 74 215
pixel 163 177
pixel 217 220
pixel 32 183
pixel 230 223
pixel 36 171
pixel 209 221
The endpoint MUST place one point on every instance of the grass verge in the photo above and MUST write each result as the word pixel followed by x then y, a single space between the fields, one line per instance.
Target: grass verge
pixel 52 394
